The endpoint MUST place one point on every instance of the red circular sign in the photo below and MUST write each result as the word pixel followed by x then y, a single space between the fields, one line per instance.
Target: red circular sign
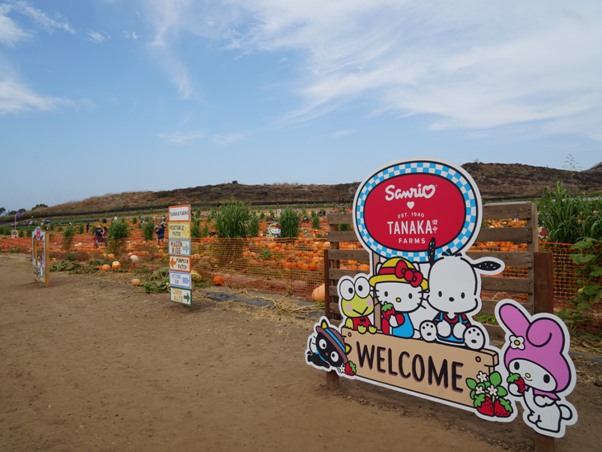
pixel 405 212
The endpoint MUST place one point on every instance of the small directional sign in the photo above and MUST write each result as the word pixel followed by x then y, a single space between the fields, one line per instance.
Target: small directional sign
pixel 179 263
pixel 181 280
pixel 179 247
pixel 182 296
pixel 179 213
pixel 179 230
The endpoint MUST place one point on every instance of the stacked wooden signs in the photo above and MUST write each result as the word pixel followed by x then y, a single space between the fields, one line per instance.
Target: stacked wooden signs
pixel 180 279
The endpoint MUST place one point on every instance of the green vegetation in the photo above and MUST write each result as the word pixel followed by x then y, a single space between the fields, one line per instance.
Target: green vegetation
pixel 233 220
pixel 289 223
pixel 118 233
pixel 569 217
pixel 148 229
pixel 68 235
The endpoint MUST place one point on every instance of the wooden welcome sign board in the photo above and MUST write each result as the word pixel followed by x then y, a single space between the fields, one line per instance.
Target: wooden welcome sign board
pixel 408 324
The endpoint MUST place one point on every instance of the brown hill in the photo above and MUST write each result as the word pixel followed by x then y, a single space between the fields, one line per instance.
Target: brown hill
pixel 495 181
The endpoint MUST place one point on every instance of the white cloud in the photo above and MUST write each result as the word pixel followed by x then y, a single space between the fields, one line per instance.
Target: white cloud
pixel 15 97
pixel 43 20
pixel 98 37
pixel 224 140
pixel 130 35
pixel 343 133
pixel 181 137
pixel 468 64
pixel 10 32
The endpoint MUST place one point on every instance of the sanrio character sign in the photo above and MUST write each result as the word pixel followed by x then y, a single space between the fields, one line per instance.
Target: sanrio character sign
pixel 408 324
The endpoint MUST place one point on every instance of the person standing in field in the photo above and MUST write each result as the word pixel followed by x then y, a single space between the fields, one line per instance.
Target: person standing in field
pixel 160 233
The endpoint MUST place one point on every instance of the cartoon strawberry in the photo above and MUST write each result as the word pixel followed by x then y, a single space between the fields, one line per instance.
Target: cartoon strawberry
pixel 518 381
pixel 486 407
pixel 502 408
pixel 350 368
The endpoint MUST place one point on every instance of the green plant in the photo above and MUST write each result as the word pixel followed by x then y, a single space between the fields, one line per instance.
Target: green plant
pixel 195 228
pixel 68 235
pixel 589 273
pixel 315 220
pixel 148 229
pixel 232 220
pixel 289 223
pixel 157 281
pixel 569 217
pixel 118 233
pixel 253 230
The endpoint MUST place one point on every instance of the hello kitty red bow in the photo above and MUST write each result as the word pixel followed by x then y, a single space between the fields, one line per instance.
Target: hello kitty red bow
pixel 401 270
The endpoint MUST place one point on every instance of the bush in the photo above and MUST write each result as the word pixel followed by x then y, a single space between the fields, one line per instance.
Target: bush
pixel 195 229
pixel 149 229
pixel 289 223
pixel 68 236
pixel 315 221
pixel 253 225
pixel 232 220
pixel 118 233
pixel 569 217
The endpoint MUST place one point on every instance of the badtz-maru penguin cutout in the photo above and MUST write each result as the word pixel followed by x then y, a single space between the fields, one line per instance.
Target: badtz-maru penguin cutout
pixel 409 324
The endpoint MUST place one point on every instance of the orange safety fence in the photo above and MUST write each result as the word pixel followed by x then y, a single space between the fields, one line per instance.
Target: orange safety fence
pixel 296 266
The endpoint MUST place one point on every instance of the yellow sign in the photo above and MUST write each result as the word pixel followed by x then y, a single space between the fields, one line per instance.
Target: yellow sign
pixel 179 230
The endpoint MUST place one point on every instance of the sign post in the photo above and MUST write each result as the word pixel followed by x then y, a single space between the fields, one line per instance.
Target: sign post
pixel 179 247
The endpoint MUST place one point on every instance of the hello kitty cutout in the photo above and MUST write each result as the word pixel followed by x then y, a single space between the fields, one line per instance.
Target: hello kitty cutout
pixel 540 372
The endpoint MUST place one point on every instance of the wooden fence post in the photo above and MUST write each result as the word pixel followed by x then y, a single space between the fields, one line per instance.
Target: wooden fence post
pixel 543 301
pixel 332 378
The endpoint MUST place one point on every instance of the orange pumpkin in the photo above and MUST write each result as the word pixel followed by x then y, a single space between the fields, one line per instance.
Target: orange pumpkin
pixel 105 267
pixel 319 293
pixel 218 280
pixel 136 282
pixel 116 265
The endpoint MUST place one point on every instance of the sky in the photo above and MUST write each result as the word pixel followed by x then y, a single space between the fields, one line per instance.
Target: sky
pixel 113 96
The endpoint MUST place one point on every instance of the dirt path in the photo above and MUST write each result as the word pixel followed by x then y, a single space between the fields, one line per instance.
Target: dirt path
pixel 91 363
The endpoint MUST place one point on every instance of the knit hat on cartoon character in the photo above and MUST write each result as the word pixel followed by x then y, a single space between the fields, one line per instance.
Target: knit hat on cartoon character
pixel 398 269
pixel 335 338
pixel 541 342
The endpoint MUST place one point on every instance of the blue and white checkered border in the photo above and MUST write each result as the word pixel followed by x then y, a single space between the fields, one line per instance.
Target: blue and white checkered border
pixel 471 220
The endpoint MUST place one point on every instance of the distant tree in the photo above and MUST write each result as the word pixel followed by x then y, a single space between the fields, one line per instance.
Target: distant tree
pixel 2 210
pixel 39 206
pixel 12 212
pixel 21 210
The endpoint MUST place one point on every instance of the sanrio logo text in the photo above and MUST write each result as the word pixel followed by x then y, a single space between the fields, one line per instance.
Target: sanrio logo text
pixel 422 191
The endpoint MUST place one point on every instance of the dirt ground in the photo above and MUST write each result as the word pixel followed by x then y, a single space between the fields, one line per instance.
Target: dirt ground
pixel 92 363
